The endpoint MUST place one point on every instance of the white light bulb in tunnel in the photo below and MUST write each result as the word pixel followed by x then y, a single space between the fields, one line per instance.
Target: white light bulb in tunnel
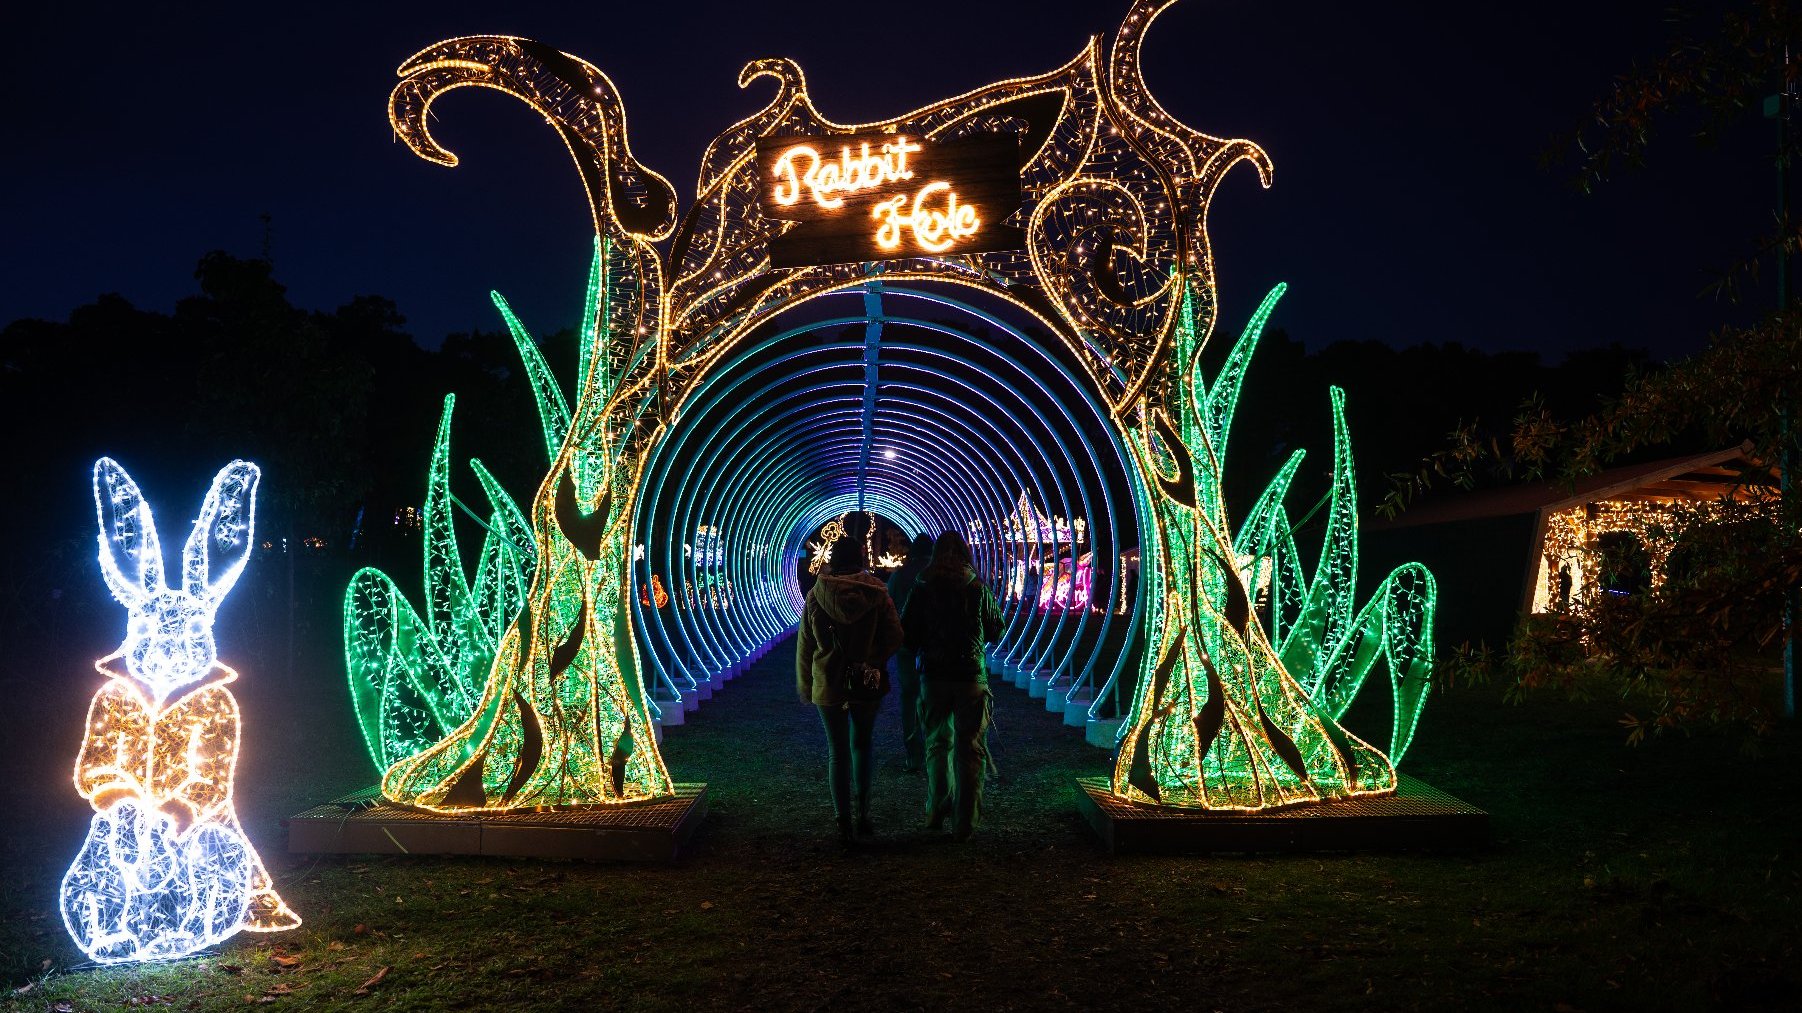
pixel 890 454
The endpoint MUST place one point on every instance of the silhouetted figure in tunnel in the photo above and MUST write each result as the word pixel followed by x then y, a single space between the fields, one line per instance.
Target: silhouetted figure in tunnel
pixel 1031 582
pixel 900 586
pixel 950 616
pixel 849 627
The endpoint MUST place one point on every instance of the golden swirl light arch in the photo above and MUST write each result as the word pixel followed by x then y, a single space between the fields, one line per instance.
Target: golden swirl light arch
pixel 1105 245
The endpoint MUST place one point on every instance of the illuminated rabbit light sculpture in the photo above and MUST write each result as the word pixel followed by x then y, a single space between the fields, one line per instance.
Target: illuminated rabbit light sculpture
pixel 166 870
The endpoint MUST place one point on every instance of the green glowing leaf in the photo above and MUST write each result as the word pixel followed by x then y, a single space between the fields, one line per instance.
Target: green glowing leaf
pixel 1327 614
pixel 449 608
pixel 553 411
pixel 1221 400
pixel 1396 625
pixel 403 688
pixel 592 369
pixel 505 568
pixel 1266 550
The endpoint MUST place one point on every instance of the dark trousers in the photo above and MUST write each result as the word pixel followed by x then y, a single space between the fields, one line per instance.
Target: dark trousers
pixel 956 719
pixel 913 738
pixel 849 731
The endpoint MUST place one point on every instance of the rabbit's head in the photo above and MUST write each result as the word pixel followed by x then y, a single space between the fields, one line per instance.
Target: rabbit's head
pixel 169 631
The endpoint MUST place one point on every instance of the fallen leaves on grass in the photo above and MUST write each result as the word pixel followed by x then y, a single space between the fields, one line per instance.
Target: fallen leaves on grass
pixel 364 988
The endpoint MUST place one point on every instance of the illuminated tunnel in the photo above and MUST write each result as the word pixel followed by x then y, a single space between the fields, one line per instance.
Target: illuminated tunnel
pixel 927 409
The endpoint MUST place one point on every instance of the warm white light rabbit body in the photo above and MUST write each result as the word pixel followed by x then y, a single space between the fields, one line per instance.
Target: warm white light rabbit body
pixel 166 869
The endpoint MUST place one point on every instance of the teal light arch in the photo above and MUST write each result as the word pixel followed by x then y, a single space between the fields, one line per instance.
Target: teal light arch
pixel 786 433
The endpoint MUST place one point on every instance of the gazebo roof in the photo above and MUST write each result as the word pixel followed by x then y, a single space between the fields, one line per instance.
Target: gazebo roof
pixel 1692 478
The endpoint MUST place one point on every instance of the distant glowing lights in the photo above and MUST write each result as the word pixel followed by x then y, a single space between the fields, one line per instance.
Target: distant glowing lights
pixel 166 869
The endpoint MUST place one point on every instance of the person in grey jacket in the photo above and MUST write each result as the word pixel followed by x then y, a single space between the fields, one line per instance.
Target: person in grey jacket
pixel 907 673
pixel 848 620
pixel 950 616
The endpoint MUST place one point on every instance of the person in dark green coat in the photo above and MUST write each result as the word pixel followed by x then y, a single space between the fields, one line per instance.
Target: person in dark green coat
pixel 907 674
pixel 950 616
pixel 848 619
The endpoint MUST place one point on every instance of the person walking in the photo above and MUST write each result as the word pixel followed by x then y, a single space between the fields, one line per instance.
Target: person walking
pixel 907 672
pixel 849 627
pixel 950 616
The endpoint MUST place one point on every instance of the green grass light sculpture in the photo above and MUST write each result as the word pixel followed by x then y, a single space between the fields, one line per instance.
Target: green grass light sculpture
pixel 515 691
pixel 415 679
pixel 1255 664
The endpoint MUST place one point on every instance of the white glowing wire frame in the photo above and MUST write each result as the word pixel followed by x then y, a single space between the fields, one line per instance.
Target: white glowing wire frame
pixel 166 869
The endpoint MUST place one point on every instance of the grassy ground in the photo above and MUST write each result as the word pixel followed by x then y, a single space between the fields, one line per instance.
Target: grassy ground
pixel 1660 877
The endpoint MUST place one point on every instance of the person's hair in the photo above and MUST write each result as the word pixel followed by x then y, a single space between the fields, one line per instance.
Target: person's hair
pixel 848 553
pixel 921 550
pixel 951 550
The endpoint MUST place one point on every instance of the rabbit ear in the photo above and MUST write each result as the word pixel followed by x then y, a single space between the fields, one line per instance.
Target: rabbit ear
pixel 220 543
pixel 131 558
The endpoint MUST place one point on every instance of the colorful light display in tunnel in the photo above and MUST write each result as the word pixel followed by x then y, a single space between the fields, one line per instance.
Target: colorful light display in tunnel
pixel 938 415
pixel 166 869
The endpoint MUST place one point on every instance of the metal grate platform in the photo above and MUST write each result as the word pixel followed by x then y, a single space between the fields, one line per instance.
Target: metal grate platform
pixel 363 822
pixel 1415 816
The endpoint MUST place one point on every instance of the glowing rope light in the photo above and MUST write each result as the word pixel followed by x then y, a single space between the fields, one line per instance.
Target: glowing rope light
pixel 934 230
pixel 826 180
pixel 166 869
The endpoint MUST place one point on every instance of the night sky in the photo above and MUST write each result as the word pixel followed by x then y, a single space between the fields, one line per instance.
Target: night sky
pixel 1409 203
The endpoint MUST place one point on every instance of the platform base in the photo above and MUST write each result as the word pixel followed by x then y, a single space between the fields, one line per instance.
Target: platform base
pixel 1415 817
pixel 1076 709
pixel 1101 733
pixel 365 823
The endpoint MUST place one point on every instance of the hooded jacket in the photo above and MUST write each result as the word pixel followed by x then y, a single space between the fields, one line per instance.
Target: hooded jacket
pixel 950 616
pixel 843 612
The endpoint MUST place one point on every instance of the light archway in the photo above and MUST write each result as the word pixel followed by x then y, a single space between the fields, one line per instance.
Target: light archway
pixel 1072 197
pixel 981 418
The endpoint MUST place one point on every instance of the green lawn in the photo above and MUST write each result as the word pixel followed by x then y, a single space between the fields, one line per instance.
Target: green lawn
pixel 1661 877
